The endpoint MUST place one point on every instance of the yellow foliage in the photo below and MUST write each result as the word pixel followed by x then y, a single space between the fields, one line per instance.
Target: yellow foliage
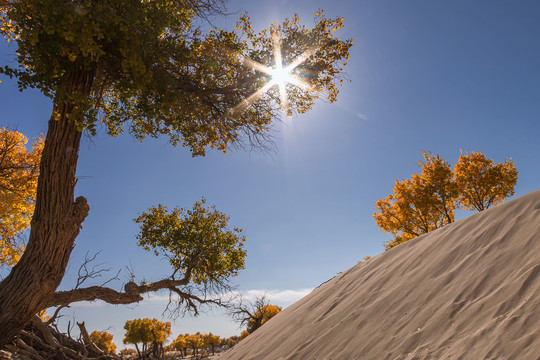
pixel 428 200
pixel 366 258
pixel 261 316
pixel 482 182
pixel 146 331
pixel 19 170
pixel 180 343
pixel 103 340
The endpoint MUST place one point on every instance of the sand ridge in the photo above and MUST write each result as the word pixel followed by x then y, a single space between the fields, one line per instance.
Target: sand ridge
pixel 469 290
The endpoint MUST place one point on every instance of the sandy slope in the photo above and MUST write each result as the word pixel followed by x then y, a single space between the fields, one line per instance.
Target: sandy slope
pixel 470 290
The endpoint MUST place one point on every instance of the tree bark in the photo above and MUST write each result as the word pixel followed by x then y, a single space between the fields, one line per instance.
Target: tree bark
pixel 57 217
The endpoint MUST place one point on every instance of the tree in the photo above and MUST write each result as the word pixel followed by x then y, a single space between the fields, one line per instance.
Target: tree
pixel 255 314
pixel 180 344
pixel 195 342
pixel 211 340
pixel 428 200
pixel 144 67
pixel 244 334
pixel 18 180
pixel 483 183
pixel 233 340
pixel 104 341
pixel 151 333
pixel 419 205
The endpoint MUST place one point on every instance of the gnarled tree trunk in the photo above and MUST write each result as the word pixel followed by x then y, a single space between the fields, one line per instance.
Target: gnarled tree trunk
pixel 56 221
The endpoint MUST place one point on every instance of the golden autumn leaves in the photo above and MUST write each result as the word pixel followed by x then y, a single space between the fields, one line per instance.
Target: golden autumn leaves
pixel 19 170
pixel 428 200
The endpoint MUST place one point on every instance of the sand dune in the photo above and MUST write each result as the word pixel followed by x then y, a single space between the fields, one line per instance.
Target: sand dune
pixel 469 290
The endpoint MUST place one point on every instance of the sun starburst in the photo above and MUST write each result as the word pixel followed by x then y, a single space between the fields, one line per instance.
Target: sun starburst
pixel 280 76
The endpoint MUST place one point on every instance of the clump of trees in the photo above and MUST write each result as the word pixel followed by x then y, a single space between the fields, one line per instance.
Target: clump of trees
pixel 429 199
pixel 196 343
pixel 19 170
pixel 150 333
pixel 146 68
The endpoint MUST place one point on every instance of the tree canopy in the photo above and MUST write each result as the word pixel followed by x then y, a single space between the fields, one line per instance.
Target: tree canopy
pixel 197 241
pixel 428 200
pixel 19 170
pixel 169 79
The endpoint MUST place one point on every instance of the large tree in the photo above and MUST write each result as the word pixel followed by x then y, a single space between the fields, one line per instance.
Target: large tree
pixel 145 68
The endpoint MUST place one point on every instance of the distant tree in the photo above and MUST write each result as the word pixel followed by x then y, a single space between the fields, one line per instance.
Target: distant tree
pixel 211 341
pixel 104 341
pixel 231 341
pixel 254 315
pixel 195 342
pixel 244 334
pixel 19 170
pixel 127 353
pixel 150 333
pixel 144 67
pixel 482 183
pixel 428 200
pixel 180 344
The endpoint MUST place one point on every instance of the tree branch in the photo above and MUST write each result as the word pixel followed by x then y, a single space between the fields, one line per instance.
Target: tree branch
pixel 132 293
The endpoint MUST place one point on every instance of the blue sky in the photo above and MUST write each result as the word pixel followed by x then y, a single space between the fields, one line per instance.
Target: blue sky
pixel 432 75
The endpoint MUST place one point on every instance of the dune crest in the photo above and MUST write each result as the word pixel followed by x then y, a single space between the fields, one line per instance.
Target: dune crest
pixel 469 290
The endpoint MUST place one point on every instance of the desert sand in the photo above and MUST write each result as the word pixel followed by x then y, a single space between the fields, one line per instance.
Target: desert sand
pixel 469 290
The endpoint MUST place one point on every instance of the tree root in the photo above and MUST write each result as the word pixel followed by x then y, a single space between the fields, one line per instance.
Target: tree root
pixel 39 341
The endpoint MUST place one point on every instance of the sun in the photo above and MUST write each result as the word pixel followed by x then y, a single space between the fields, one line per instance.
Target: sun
pixel 279 75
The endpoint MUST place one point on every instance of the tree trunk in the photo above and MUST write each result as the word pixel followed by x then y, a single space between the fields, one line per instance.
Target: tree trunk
pixel 56 221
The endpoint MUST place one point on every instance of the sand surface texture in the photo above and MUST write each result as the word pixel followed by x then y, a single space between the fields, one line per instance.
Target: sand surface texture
pixel 469 290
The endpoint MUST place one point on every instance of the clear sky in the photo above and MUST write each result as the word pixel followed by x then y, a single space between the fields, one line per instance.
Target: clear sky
pixel 432 75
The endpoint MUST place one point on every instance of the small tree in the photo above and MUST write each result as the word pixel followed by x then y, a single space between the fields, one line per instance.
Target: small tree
pixel 203 251
pixel 195 342
pixel 180 344
pixel 420 204
pixel 104 341
pixel 211 341
pixel 483 183
pixel 255 314
pixel 233 340
pixel 19 170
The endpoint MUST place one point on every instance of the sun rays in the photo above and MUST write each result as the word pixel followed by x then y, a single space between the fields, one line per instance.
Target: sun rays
pixel 280 76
